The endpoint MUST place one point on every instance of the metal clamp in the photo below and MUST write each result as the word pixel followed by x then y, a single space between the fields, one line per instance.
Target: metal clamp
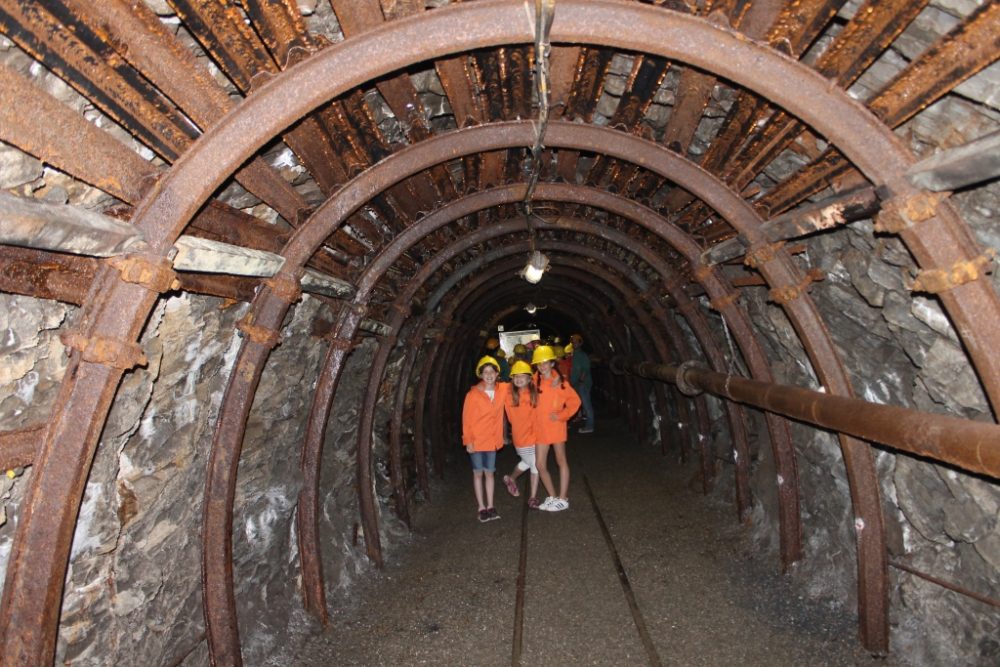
pixel 759 255
pixel 149 271
pixel 899 214
pixel 782 295
pixel 683 385
pixel 722 302
pixel 120 354
pixel 342 344
pixel 702 272
pixel 258 334
pixel 935 281
pixel 285 286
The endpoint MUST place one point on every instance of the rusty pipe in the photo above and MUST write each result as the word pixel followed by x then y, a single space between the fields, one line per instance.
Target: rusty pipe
pixel 969 445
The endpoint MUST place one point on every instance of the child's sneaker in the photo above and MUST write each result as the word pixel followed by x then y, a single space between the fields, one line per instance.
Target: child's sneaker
pixel 558 505
pixel 511 486
pixel 491 514
pixel 546 503
pixel 532 503
pixel 484 516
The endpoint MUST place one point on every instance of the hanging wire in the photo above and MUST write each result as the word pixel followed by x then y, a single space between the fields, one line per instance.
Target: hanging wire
pixel 544 13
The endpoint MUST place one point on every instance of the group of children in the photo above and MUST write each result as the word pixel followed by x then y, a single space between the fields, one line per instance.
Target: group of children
pixel 538 404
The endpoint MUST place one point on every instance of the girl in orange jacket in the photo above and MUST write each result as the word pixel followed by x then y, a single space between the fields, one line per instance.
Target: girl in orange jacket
pixel 557 402
pixel 520 408
pixel 482 432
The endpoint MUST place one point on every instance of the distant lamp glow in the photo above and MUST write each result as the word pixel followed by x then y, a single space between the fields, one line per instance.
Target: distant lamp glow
pixel 531 308
pixel 535 268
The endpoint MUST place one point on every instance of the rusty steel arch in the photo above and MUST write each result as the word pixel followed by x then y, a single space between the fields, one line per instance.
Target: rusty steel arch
pixel 117 311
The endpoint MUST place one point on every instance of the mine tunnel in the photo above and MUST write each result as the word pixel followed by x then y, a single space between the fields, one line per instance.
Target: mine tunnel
pixel 252 250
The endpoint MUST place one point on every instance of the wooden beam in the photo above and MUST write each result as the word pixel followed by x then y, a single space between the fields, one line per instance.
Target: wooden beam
pixel 36 224
pixel 853 205
pixel 974 162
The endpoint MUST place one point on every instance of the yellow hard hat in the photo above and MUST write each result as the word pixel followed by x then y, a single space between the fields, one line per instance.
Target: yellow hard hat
pixel 520 368
pixel 559 350
pixel 487 361
pixel 542 353
pixel 500 354
pixel 568 349
pixel 520 349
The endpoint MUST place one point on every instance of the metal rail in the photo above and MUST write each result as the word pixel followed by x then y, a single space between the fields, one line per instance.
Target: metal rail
pixel 967 444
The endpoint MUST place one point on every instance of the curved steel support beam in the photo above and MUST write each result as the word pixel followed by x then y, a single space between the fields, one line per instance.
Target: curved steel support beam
pixel 118 310
pixel 784 457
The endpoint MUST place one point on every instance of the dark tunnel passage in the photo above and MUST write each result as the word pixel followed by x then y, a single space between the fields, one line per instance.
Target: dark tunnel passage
pixel 252 250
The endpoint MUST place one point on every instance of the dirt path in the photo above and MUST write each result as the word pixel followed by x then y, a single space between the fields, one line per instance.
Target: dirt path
pixel 449 598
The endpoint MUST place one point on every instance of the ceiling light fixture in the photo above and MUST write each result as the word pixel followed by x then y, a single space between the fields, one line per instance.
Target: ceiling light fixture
pixel 536 267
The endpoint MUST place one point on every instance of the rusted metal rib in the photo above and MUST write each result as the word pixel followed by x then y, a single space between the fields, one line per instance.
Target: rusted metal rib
pixel 962 53
pixel 870 31
pixel 18 447
pixel 121 95
pixel 218 598
pixel 155 52
pixel 68 142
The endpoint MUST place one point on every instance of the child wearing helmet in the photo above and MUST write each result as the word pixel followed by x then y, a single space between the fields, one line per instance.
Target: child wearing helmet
pixel 482 432
pixel 557 402
pixel 520 408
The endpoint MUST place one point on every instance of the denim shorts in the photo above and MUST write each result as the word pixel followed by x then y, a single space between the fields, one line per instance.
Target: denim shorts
pixel 484 461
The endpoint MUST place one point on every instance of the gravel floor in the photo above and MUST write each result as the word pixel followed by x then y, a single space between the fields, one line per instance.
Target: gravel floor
pixel 449 597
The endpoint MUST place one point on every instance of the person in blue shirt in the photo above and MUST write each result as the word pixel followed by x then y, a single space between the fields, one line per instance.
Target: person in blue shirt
pixel 582 381
pixel 501 357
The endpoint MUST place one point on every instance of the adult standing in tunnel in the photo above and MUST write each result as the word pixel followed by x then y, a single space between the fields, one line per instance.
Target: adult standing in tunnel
pixel 501 357
pixel 557 402
pixel 482 432
pixel 582 381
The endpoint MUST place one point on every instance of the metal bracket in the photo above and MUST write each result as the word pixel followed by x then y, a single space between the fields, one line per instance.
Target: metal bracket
pixel 758 255
pixel 257 334
pixel 724 301
pixel 151 272
pixel 702 272
pixel 782 295
pixel 935 281
pixel 285 286
pixel 342 344
pixel 120 354
pixel 683 385
pixel 899 214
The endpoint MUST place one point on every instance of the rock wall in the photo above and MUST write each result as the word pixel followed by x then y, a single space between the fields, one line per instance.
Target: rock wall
pixel 133 590
pixel 898 348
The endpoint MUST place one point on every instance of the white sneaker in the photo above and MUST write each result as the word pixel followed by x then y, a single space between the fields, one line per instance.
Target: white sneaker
pixel 558 505
pixel 547 504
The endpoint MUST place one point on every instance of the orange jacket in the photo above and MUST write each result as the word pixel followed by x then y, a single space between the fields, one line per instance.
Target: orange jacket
pixel 560 401
pixel 482 418
pixel 565 366
pixel 522 418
